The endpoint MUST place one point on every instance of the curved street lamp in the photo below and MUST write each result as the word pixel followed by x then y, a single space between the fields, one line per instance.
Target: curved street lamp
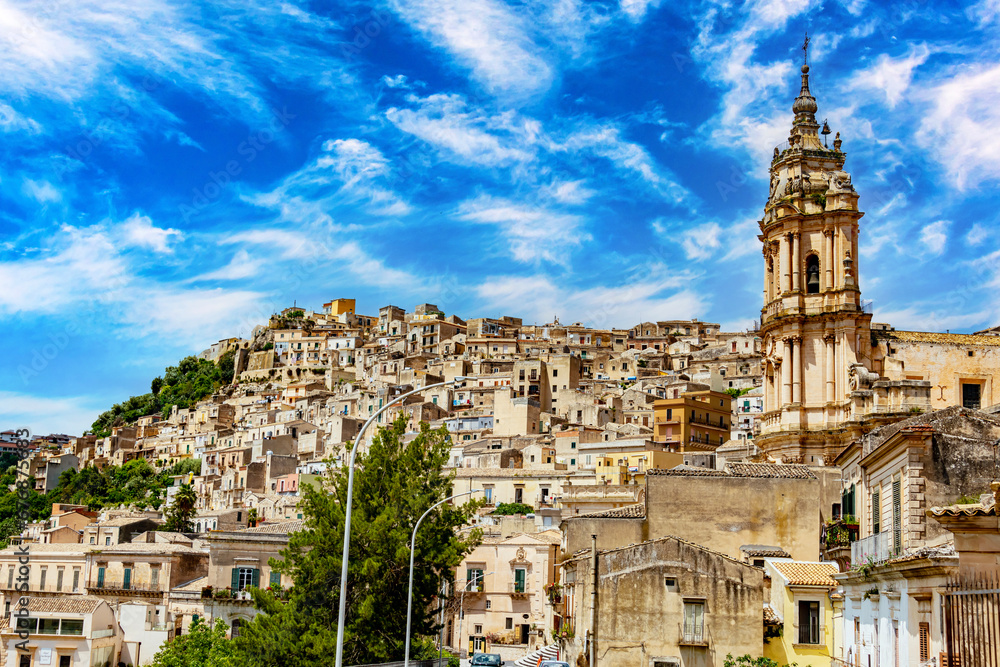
pixel 350 500
pixel 413 544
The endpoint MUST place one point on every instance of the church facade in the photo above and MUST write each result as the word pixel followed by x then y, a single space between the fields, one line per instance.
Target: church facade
pixel 830 374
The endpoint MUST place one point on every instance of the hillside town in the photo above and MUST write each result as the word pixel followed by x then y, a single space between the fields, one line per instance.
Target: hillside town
pixel 819 489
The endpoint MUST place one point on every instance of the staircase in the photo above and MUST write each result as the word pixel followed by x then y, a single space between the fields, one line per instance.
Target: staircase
pixel 550 652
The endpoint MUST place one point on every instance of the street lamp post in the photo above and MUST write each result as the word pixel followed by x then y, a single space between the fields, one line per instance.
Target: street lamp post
pixel 350 500
pixel 413 545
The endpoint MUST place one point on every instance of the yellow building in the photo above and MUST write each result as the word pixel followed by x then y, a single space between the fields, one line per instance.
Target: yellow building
pixel 339 307
pixel 696 421
pixel 627 468
pixel 800 599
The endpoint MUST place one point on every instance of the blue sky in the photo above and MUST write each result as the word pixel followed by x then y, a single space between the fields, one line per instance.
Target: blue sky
pixel 173 173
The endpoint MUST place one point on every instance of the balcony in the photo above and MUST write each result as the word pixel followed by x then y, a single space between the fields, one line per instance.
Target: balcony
pixel 519 590
pixel 140 589
pixel 876 548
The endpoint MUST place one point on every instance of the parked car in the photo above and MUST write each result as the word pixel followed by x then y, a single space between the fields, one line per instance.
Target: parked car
pixel 488 660
pixel 553 663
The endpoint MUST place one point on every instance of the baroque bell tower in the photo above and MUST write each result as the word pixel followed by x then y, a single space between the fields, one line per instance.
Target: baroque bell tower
pixel 813 327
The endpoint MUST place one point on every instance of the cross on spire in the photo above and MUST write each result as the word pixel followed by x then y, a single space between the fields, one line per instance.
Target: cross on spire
pixel 805 50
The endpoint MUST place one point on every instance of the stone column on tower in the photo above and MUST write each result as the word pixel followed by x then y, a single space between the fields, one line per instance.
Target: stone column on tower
pixel 831 380
pixel 797 369
pixel 828 258
pixel 786 372
pixel 796 261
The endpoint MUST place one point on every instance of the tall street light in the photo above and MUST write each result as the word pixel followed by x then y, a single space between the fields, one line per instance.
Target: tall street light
pixel 413 544
pixel 350 500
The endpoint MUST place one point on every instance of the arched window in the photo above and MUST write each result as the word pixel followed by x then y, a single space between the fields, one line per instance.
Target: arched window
pixel 812 274
pixel 237 622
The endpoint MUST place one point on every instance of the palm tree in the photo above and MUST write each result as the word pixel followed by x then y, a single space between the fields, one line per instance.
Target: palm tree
pixel 182 510
pixel 252 517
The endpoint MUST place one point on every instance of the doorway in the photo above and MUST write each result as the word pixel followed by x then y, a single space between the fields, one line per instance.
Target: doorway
pixel 525 629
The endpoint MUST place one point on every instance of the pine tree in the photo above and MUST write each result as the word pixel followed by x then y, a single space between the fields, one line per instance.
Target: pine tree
pixel 394 484
pixel 182 511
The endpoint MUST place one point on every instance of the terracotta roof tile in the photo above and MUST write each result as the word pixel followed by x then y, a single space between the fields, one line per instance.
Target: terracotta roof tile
pixel 68 604
pixel 800 573
pixel 637 511
pixel 283 527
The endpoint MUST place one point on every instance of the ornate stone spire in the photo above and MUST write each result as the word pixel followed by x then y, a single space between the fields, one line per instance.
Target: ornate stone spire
pixel 805 126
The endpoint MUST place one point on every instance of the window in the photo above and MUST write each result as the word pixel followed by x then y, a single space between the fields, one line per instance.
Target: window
pixel 237 622
pixel 41 581
pixel 489 604
pixel 808 622
pixel 876 513
pixel 812 274
pixel 107 541
pixel 971 395
pixel 694 621
pixel 670 583
pixel 925 642
pixel 478 630
pixel 60 573
pixel 509 623
pixel 275 578
pixel 244 577
pixel 48 626
pixel 127 578
pixel 520 574
pixel 474 579
pixel 76 579
pixel 154 577
pixel 897 519
pixel 10 577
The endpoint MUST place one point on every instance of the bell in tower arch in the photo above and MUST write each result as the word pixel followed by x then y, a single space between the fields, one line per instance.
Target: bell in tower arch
pixel 812 274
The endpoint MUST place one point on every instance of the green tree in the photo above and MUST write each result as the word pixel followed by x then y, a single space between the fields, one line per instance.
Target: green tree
pixel 395 483
pixel 202 646
pixel 510 509
pixel 252 517
pixel 182 511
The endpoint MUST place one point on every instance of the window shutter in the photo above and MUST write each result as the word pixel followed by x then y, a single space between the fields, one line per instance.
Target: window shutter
pixel 236 578
pixel 275 578
pixel 897 518
pixel 256 578
pixel 876 512
pixel 925 642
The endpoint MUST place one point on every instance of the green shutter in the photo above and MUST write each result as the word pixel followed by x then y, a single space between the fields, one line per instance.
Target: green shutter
pixel 100 577
pixel 256 578
pixel 236 578
pixel 876 513
pixel 275 578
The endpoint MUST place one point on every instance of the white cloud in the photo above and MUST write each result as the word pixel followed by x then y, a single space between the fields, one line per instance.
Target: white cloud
pixel 636 9
pixel 568 192
pixel 960 128
pixel 44 415
pixel 398 81
pixel 533 233
pixel 13 121
pixel 702 242
pixel 140 231
pixel 485 37
pixel 599 306
pixel 346 173
pixel 42 192
pixel 935 236
pixel 240 267
pixel 891 76
pixel 977 234
pixel 466 134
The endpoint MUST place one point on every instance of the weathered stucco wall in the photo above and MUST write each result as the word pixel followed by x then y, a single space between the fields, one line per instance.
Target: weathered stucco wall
pixel 640 617
pixel 724 513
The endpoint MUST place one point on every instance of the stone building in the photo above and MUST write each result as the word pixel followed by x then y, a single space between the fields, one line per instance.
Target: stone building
pixel 662 602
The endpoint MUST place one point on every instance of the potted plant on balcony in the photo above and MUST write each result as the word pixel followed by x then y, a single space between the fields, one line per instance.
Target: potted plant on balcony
pixel 554 591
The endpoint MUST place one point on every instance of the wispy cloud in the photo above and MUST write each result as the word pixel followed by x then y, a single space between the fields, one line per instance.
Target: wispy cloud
pixel 533 233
